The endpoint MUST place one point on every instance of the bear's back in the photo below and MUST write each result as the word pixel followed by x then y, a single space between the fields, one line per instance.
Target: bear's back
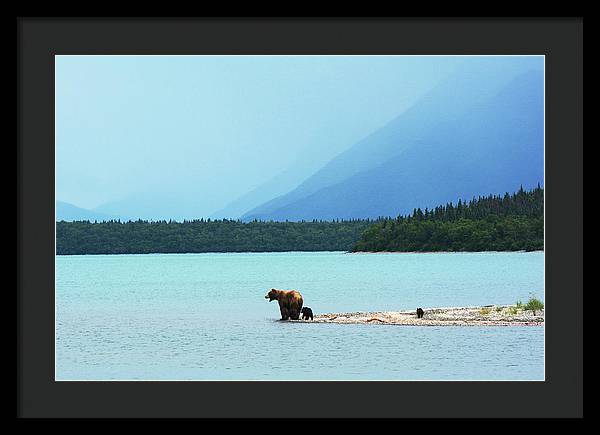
pixel 293 295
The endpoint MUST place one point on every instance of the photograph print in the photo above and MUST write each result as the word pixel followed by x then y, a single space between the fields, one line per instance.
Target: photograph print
pixel 299 218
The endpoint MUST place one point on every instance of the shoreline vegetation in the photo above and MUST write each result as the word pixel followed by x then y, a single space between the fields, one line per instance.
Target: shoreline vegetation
pixel 493 223
pixel 206 236
pixel 489 315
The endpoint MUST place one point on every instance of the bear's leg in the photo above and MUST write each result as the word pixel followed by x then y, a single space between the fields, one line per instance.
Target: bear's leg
pixel 284 313
pixel 294 314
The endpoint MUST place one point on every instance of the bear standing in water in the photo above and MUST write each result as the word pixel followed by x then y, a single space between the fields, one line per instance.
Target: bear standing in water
pixel 290 302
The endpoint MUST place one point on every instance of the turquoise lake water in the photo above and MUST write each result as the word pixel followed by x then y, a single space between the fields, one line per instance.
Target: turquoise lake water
pixel 204 317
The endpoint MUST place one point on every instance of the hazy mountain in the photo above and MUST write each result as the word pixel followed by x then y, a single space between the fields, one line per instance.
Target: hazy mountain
pixel 479 132
pixel 458 94
pixel 276 186
pixel 69 212
pixel 155 204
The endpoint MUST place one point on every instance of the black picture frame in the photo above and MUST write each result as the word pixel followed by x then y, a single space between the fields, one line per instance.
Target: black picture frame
pixel 560 40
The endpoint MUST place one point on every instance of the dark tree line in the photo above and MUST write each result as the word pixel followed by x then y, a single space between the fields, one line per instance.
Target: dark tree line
pixel 493 223
pixel 142 237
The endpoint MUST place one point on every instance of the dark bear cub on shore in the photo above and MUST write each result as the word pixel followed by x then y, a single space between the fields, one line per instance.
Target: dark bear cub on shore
pixel 307 313
pixel 419 313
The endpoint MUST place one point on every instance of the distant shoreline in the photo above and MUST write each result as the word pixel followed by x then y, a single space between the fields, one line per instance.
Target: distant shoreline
pixel 298 251
pixel 437 252
pixel 284 252
pixel 490 315
pixel 192 253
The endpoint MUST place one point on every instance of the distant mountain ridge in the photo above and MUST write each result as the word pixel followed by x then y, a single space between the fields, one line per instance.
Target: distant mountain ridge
pixel 68 212
pixel 274 187
pixel 470 136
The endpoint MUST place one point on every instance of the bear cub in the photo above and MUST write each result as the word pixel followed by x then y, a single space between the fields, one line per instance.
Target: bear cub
pixel 419 313
pixel 307 313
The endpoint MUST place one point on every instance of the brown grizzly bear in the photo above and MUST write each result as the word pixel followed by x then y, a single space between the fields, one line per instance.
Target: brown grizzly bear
pixel 290 302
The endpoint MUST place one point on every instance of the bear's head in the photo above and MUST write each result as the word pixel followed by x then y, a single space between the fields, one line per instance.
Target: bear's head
pixel 272 295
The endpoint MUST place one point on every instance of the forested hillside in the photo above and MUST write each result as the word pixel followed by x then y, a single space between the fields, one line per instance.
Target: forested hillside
pixel 142 237
pixel 493 223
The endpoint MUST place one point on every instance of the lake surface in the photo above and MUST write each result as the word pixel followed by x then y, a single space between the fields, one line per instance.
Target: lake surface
pixel 204 317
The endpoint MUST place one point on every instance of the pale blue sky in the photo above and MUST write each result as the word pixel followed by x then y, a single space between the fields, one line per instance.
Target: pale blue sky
pixel 203 130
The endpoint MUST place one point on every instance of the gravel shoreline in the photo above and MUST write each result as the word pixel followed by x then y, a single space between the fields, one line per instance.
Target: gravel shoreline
pixel 491 315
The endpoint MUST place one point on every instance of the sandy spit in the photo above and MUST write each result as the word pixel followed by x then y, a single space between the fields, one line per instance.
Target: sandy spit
pixel 492 315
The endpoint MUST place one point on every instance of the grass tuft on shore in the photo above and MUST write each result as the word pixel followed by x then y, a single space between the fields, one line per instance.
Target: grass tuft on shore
pixel 513 311
pixel 534 305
